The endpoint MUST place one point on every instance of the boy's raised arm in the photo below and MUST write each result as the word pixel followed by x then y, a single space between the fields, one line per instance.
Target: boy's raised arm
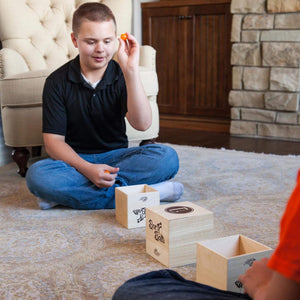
pixel 139 113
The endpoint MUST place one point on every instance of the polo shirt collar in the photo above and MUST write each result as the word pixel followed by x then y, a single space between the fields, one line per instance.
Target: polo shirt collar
pixel 109 76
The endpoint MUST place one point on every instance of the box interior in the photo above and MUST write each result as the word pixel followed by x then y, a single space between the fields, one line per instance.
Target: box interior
pixel 234 246
pixel 137 189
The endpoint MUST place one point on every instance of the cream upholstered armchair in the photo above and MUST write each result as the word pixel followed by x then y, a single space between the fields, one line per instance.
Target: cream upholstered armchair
pixel 35 36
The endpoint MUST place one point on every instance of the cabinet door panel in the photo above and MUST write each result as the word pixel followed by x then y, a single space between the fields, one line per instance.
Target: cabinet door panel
pixel 164 34
pixel 211 79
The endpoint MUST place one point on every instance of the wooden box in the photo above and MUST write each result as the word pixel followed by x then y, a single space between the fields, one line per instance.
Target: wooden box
pixel 221 261
pixel 131 202
pixel 173 230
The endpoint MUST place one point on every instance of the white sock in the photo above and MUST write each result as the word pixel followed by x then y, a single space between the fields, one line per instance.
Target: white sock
pixel 44 204
pixel 169 191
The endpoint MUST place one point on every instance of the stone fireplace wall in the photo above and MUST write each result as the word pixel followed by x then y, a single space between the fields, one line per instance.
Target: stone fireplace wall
pixel 265 62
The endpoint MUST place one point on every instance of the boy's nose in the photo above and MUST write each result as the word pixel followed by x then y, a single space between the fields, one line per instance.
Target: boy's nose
pixel 99 47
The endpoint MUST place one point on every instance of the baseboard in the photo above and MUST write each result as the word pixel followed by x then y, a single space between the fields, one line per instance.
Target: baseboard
pixel 193 123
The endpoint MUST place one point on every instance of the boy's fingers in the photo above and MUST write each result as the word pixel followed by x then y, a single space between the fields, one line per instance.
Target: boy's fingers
pixel 111 170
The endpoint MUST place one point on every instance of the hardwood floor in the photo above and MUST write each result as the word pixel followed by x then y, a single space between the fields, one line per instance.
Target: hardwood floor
pixel 202 139
pixel 219 140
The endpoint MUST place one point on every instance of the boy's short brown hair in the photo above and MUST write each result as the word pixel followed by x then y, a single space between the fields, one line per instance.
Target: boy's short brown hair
pixel 92 11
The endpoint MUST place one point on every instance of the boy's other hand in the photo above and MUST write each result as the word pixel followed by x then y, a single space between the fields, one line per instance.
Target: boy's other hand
pixel 257 277
pixel 101 175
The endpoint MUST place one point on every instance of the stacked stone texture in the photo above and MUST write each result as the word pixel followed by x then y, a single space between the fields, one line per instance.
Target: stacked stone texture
pixel 265 62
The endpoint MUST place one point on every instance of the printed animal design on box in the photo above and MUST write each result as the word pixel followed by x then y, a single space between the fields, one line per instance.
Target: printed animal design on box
pixel 143 199
pixel 156 228
pixel 156 252
pixel 141 214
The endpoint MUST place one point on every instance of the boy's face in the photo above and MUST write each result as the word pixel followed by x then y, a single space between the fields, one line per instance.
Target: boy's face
pixel 96 44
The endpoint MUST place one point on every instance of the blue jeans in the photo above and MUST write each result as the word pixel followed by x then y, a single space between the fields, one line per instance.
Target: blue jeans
pixel 56 181
pixel 168 284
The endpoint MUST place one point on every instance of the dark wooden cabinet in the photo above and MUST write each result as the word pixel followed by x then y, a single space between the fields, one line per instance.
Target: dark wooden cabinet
pixel 192 39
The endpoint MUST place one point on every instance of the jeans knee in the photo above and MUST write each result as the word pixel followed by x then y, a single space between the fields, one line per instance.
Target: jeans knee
pixel 37 176
pixel 167 157
pixel 171 158
pixel 32 178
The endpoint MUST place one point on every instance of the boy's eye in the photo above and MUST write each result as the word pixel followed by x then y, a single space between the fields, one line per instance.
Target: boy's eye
pixel 91 42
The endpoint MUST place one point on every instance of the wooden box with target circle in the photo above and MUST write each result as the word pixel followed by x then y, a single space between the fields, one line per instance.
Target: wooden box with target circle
pixel 173 230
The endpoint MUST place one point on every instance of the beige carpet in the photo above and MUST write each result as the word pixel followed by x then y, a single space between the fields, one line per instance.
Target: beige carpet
pixel 69 254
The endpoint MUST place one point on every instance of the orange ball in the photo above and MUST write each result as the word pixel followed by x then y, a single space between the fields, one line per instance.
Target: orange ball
pixel 106 172
pixel 124 36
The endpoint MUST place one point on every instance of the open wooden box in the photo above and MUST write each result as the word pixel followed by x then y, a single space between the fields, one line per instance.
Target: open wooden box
pixel 173 230
pixel 131 202
pixel 221 261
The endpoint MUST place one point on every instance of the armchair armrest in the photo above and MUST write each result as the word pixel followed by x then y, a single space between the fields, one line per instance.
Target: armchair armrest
pixel 11 62
pixel 148 57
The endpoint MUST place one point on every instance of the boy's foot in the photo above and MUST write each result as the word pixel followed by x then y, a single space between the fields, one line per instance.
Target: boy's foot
pixel 44 204
pixel 169 191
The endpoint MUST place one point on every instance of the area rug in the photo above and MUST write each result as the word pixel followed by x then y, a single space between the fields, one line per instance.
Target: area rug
pixel 68 254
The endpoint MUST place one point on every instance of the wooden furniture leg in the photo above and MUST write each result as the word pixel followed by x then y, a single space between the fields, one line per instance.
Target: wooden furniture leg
pixel 21 156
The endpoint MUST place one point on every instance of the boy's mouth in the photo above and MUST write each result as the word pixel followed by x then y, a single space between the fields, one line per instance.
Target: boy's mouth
pixel 98 58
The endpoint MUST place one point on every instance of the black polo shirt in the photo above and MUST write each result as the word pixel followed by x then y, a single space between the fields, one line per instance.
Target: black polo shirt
pixel 92 120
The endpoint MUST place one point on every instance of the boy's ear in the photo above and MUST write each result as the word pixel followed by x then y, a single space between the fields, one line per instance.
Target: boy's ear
pixel 73 38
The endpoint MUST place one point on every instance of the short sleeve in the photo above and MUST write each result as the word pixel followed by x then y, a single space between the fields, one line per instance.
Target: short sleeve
pixel 54 109
pixel 286 257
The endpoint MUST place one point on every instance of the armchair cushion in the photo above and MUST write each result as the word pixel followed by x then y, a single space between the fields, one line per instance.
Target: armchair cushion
pixel 29 89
